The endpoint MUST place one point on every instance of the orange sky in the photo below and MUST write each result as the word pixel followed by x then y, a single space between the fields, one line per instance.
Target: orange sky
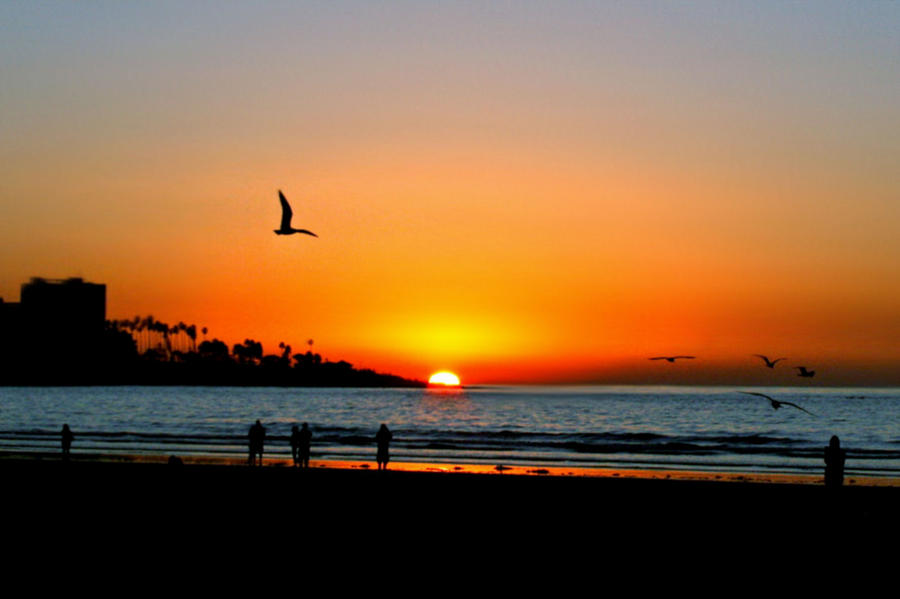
pixel 511 195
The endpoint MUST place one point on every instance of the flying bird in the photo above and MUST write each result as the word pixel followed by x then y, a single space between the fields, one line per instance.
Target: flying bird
pixel 671 359
pixel 777 404
pixel 804 372
pixel 286 215
pixel 769 363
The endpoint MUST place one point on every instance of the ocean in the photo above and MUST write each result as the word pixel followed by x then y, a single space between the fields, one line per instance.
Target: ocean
pixel 697 428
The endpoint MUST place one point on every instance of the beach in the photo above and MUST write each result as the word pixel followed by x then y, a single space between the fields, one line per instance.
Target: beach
pixel 118 495
pixel 532 471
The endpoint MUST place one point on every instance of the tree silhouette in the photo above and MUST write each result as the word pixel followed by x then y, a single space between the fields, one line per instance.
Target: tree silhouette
pixel 191 332
pixel 215 349
pixel 248 352
pixel 145 350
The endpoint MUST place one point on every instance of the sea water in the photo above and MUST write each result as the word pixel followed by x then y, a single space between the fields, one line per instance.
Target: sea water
pixel 698 428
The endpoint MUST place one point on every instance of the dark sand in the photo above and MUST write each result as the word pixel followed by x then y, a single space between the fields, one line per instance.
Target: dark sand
pixel 141 522
pixel 131 524
pixel 115 495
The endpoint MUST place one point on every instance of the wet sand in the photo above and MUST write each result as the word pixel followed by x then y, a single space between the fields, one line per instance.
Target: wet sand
pixel 463 468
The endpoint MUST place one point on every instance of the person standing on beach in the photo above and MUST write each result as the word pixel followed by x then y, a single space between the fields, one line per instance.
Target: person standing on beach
pixel 67 438
pixel 256 439
pixel 305 442
pixel 383 439
pixel 295 445
pixel 251 444
pixel 834 463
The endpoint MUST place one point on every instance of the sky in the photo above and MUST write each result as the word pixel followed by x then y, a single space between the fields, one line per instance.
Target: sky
pixel 516 192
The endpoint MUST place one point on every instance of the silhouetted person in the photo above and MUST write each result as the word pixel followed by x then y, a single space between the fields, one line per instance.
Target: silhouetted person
pixel 256 439
pixel 305 442
pixel 834 463
pixel 383 439
pixel 67 438
pixel 295 445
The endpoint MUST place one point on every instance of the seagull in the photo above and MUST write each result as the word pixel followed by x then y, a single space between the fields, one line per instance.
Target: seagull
pixel 777 404
pixel 286 214
pixel 671 359
pixel 769 363
pixel 804 372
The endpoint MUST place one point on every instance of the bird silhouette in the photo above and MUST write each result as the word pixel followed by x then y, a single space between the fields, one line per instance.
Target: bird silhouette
pixel 671 359
pixel 286 215
pixel 769 363
pixel 777 404
pixel 804 372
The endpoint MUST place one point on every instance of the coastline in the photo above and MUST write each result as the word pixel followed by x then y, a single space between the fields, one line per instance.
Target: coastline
pixel 589 428
pixel 453 468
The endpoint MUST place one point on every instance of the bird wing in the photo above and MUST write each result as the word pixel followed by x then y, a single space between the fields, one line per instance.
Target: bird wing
pixel 685 357
pixel 305 231
pixel 758 395
pixel 658 358
pixel 777 361
pixel 763 357
pixel 286 212
pixel 775 402
pixel 787 403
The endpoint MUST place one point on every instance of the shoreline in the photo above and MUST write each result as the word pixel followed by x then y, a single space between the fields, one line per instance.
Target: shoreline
pixel 453 468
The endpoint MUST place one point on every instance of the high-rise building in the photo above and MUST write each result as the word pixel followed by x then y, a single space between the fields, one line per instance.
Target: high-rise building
pixel 64 310
pixel 56 323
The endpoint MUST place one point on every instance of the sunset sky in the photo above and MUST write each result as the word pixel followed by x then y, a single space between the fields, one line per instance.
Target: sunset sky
pixel 515 192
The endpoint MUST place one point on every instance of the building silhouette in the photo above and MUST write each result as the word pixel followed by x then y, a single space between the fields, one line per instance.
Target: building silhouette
pixel 57 334
pixel 56 329
pixel 67 313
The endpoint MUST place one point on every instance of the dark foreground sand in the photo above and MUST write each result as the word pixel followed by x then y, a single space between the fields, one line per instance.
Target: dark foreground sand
pixel 114 498
pixel 137 527
pixel 131 525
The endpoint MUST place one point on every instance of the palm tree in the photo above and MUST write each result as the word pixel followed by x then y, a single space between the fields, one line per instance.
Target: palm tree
pixel 169 330
pixel 181 329
pixel 141 328
pixel 148 324
pixel 255 349
pixel 192 335
pixel 248 351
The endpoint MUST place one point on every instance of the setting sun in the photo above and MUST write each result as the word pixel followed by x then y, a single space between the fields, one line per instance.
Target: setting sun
pixel 447 379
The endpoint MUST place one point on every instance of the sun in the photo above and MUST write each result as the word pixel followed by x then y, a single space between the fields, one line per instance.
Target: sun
pixel 444 378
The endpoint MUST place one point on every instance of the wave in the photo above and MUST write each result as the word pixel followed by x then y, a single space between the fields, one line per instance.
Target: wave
pixel 457 443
